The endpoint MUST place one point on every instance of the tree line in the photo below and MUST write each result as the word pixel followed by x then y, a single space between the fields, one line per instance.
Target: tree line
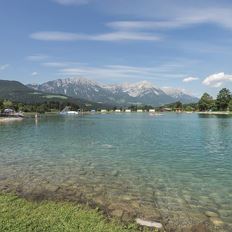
pixel 223 102
pixel 38 107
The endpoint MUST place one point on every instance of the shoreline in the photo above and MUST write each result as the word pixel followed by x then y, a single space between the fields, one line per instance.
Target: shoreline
pixel 10 119
pixel 216 113
pixel 111 212
pixel 20 214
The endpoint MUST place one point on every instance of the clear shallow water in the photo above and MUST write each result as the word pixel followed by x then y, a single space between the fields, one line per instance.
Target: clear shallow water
pixel 171 168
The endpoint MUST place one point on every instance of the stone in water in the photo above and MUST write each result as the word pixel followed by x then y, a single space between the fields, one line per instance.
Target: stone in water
pixel 211 214
pixel 149 223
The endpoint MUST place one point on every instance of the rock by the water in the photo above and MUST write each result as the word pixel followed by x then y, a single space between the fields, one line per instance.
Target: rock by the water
pixel 149 223
pixel 216 221
pixel 211 214
pixel 115 173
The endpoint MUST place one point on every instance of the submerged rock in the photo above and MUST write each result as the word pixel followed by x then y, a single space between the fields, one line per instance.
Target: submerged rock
pixel 201 227
pixel 115 173
pixel 83 173
pixel 149 223
pixel 216 221
pixel 211 214
pixel 3 177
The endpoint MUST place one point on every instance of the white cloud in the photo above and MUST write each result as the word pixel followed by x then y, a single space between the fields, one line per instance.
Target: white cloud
pixel 190 79
pixel 55 64
pixel 120 73
pixel 37 57
pixel 72 2
pixel 143 30
pixel 147 25
pixel 217 80
pixel 4 66
pixel 56 36
pixel 114 36
pixel 121 35
pixel 34 74
pixel 185 18
pixel 61 64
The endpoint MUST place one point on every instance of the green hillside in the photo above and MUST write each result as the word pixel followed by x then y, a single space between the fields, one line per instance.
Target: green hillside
pixel 17 92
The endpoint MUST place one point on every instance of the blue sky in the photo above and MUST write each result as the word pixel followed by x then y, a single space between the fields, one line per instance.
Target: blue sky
pixel 177 43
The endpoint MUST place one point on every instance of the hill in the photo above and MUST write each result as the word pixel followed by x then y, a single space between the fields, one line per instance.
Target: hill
pixel 17 92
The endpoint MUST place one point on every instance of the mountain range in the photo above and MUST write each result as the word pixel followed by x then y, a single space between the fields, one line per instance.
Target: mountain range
pixel 141 93
pixel 18 92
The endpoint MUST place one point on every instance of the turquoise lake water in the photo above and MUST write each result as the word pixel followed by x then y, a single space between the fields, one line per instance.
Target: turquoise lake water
pixel 171 168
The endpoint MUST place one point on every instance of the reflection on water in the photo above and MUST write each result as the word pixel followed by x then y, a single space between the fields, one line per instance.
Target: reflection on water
pixel 173 168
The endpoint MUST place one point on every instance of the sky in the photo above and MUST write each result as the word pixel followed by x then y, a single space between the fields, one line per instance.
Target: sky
pixel 170 43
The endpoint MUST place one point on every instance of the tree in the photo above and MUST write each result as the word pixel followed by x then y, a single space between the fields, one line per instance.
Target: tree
pixel 1 105
pixel 223 99
pixel 189 108
pixel 7 104
pixel 178 105
pixel 206 102
pixel 230 105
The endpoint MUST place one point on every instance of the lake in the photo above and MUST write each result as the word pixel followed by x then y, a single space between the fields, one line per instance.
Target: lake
pixel 172 168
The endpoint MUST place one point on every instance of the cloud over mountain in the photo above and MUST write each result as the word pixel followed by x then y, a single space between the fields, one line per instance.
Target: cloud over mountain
pixel 217 80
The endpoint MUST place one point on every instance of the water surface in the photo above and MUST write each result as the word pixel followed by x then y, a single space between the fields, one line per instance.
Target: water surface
pixel 171 168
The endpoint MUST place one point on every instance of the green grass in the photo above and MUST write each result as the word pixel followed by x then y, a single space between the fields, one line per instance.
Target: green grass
pixel 17 214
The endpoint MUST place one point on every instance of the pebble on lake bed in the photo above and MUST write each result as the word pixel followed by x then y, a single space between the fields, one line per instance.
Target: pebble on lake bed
pixel 149 223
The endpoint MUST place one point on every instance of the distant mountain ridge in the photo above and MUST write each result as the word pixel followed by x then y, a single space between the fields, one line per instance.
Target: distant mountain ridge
pixel 180 95
pixel 18 92
pixel 141 93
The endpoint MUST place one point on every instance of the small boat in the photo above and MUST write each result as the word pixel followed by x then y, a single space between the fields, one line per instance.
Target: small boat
pixel 67 111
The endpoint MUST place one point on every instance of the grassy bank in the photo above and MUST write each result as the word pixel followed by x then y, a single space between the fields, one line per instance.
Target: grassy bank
pixel 18 214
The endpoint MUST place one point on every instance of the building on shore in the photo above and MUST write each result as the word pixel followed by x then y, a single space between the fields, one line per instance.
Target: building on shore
pixel 139 111
pixel 103 111
pixel 117 111
pixel 167 109
pixel 11 113
pixel 127 110
pixel 151 110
